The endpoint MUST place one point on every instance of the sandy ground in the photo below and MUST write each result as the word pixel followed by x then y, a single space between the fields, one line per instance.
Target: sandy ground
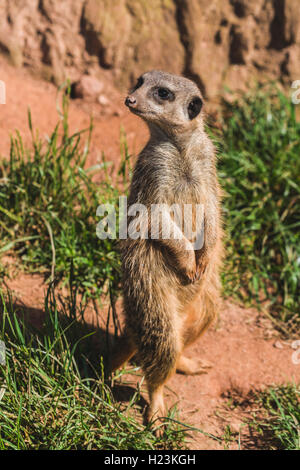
pixel 243 348
pixel 24 91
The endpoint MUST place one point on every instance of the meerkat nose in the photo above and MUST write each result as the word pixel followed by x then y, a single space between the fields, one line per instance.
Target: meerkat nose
pixel 130 101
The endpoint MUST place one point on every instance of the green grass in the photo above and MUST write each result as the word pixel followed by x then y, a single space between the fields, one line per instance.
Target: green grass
pixel 279 423
pixel 53 394
pixel 259 169
pixel 48 204
pixel 270 419
pixel 282 420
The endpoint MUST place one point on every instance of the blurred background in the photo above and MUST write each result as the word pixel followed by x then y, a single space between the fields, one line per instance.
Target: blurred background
pixel 216 42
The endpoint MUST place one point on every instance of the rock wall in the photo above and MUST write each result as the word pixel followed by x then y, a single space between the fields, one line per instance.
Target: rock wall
pixel 215 42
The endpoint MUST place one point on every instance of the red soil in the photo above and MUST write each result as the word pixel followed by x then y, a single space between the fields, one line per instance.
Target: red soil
pixel 242 346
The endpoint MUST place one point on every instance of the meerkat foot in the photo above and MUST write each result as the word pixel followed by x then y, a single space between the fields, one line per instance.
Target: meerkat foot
pixel 189 366
pixel 156 410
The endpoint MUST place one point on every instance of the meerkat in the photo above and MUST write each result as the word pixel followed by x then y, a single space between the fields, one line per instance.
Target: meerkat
pixel 170 288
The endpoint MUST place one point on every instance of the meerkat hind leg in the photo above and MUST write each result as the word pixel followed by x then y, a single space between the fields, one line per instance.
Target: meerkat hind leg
pixel 189 366
pixel 156 409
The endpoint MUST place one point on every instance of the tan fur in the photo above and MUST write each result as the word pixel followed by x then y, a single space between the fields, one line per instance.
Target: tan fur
pixel 171 294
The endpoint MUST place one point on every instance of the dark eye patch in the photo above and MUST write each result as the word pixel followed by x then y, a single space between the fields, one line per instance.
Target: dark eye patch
pixel 139 83
pixel 194 107
pixel 165 94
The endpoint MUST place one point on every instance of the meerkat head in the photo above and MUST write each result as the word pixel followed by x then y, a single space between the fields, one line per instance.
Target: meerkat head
pixel 168 101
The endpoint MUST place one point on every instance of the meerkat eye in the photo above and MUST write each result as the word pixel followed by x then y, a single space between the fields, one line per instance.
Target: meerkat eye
pixel 165 94
pixel 194 107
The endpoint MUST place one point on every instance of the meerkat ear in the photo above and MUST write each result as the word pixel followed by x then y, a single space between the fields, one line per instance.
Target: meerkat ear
pixel 194 107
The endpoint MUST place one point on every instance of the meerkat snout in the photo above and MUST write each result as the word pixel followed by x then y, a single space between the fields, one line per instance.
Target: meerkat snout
pixel 130 101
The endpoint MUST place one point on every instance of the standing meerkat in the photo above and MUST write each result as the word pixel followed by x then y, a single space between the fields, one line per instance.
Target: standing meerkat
pixel 171 289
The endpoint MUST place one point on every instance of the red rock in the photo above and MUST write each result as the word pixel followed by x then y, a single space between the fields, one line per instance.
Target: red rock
pixel 87 87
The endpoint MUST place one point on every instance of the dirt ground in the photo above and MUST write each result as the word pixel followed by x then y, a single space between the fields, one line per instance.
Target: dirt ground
pixel 244 350
pixel 24 91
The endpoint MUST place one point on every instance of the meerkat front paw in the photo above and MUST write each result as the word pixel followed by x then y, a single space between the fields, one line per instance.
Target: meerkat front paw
pixel 181 257
pixel 187 266
pixel 202 260
pixel 192 276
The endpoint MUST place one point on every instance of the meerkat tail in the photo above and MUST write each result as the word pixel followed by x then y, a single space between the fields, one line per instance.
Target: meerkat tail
pixel 158 344
pixel 151 310
pixel 155 332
